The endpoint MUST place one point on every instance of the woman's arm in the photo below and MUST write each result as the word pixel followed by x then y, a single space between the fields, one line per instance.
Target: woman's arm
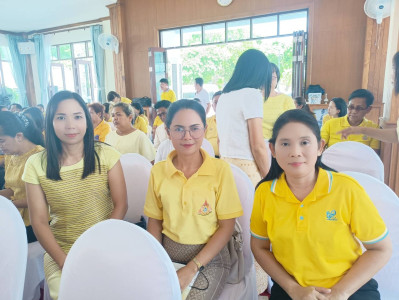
pixel 8 193
pixel 265 258
pixel 117 188
pixel 368 264
pixel 211 249
pixel 38 213
pixel 20 203
pixel 258 146
pixel 155 228
pixel 386 135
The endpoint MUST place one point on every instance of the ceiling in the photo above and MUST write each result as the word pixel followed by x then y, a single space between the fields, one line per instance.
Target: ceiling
pixel 28 15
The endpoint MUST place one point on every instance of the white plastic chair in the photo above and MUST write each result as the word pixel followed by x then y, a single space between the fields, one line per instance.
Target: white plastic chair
pixel 354 156
pixel 115 259
pixel 166 147
pixel 13 251
pixel 246 289
pixel 387 204
pixel 34 276
pixel 136 170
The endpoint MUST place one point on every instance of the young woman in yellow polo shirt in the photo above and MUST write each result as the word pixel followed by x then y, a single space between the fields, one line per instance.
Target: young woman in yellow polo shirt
pixel 78 180
pixel 311 217
pixel 19 139
pixel 192 204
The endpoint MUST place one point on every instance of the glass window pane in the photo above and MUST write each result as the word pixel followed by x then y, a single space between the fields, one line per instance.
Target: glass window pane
pixel 192 36
pixel 264 26
pixel 54 54
pixel 293 22
pixel 5 53
pixel 170 38
pixel 9 82
pixel 79 50
pixel 65 51
pixel 238 30
pixel 89 49
pixel 214 33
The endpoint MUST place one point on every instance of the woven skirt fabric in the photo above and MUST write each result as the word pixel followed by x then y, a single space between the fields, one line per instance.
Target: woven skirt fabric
pixel 248 166
pixel 213 276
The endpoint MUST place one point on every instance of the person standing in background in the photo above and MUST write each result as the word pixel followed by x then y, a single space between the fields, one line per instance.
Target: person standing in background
pixel 211 132
pixel 202 94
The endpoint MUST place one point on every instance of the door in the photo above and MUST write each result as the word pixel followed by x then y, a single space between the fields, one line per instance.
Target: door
pixel 84 80
pixel 157 61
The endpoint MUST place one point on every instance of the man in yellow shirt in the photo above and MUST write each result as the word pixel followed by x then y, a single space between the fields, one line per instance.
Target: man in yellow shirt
pixel 167 93
pixel 360 102
pixel 116 98
pixel 211 133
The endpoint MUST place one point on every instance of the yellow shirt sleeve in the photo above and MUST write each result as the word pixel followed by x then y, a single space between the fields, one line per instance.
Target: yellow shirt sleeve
pixel 366 223
pixel 110 155
pixel 157 122
pixel 126 100
pixel 258 224
pixel 153 205
pixel 325 132
pixel 32 165
pixel 140 124
pixel 228 204
pixel 289 103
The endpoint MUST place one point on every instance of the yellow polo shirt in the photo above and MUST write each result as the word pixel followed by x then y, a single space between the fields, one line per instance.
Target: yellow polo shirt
pixel 157 122
pixel 141 124
pixel 330 128
pixel 101 131
pixel 326 118
pixel 211 134
pixel 314 239
pixel 190 208
pixel 169 95
pixel 273 107
pixel 126 100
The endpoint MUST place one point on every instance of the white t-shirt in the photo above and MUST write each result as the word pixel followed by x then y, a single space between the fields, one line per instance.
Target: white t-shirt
pixel 234 109
pixel 204 97
pixel 160 135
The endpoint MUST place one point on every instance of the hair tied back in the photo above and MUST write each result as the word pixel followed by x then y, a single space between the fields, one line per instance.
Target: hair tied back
pixel 24 119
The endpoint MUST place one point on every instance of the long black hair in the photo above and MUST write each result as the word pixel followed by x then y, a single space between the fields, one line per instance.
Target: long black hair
pixel 341 105
pixel 11 124
pixel 253 70
pixel 292 116
pixel 53 143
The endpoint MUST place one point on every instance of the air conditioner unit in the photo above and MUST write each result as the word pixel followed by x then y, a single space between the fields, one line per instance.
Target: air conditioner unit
pixel 26 48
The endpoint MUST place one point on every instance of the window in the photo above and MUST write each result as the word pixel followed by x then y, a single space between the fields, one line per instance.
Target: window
pixel 260 27
pixel 8 88
pixel 72 69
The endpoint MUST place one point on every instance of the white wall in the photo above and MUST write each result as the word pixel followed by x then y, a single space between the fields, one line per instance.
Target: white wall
pixel 72 37
pixel 3 40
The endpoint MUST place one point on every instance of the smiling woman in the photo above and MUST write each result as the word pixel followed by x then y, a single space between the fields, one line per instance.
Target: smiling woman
pixel 52 182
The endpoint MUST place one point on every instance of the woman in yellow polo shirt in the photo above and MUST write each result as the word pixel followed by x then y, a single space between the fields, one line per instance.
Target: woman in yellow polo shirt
pixel 311 217
pixel 101 128
pixel 192 204
pixel 336 108
pixel 140 121
pixel 19 139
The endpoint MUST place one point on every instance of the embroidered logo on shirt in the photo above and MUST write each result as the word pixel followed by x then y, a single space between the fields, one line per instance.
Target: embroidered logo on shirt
pixel 97 137
pixel 205 209
pixel 331 215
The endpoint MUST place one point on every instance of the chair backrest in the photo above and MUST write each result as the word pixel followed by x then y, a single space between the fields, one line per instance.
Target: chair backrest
pixel 136 170
pixel 246 192
pixel 115 259
pixel 166 147
pixel 13 251
pixel 387 204
pixel 354 156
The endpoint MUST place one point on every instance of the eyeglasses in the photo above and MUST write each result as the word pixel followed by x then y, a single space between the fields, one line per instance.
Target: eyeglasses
pixel 356 108
pixel 180 132
pixel 161 114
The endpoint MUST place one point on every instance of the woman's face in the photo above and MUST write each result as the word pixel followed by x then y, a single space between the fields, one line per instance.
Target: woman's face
pixel 186 132
pixel 296 150
pixel 298 106
pixel 10 145
pixel 274 81
pixel 69 122
pixel 332 110
pixel 95 117
pixel 120 119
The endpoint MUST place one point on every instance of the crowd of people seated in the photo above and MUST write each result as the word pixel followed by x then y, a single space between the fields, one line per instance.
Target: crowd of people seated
pixel 61 168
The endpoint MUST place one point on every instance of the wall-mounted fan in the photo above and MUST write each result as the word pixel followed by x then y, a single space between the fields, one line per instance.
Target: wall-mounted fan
pixel 377 9
pixel 108 42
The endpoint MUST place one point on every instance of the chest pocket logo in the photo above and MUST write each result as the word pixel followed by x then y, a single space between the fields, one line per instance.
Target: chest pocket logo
pixel 205 209
pixel 331 215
